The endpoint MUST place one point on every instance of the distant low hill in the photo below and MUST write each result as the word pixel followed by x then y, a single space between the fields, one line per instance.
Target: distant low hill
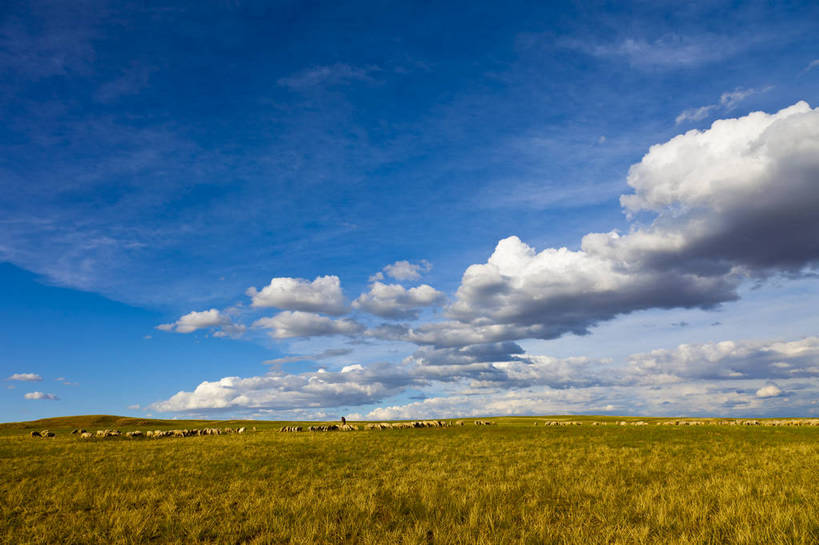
pixel 104 421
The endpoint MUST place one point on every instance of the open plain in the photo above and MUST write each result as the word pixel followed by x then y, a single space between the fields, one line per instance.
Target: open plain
pixel 515 481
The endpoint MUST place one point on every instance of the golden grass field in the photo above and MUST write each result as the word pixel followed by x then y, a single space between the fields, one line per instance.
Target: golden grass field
pixel 512 482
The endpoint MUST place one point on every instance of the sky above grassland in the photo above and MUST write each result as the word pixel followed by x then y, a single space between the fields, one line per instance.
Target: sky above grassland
pixel 303 210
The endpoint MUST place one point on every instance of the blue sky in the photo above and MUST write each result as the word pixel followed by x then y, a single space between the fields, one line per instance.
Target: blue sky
pixel 374 198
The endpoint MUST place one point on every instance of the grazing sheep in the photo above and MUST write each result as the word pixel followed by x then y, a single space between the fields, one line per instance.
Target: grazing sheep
pixel 459 423
pixel 133 434
pixel 86 435
pixel 75 431
pixel 240 430
pixel 36 434
pixel 331 427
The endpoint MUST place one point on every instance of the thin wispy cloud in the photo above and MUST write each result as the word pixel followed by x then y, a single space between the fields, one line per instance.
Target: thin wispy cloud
pixel 26 377
pixel 666 52
pixel 727 102
pixel 811 65
pixel 335 74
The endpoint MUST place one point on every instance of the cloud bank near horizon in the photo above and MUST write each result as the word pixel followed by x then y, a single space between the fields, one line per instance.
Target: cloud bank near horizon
pixel 710 211
pixel 742 375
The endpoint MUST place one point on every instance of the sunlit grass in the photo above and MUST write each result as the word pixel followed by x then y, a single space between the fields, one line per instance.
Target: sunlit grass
pixel 509 483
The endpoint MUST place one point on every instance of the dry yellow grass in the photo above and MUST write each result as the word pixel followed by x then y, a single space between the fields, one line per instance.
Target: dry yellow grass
pixel 509 483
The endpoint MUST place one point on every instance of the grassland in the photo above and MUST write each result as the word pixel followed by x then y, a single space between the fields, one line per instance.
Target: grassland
pixel 508 483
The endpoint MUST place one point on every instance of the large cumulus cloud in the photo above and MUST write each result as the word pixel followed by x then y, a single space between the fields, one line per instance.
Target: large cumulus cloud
pixel 733 202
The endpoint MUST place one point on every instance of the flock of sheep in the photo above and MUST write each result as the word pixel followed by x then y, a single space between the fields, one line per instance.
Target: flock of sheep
pixel 813 422
pixel 157 434
pixel 383 426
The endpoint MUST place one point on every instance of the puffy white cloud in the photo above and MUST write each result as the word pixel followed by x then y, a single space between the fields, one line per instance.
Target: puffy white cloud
pixel 290 324
pixel 404 270
pixel 519 293
pixel 26 377
pixel 40 395
pixel 771 390
pixel 396 302
pixel 354 385
pixel 203 320
pixel 735 201
pixel 731 360
pixel 321 295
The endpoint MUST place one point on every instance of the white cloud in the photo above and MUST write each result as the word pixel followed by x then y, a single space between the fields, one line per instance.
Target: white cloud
pixel 205 319
pixel 40 395
pixel 404 270
pixel 290 324
pixel 811 65
pixel 771 390
pixel 26 377
pixel 729 203
pixel 715 378
pixel 695 114
pixel 355 385
pixel 321 295
pixel 667 52
pixel 727 102
pixel 729 360
pixel 543 401
pixel 396 302
pixel 134 407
